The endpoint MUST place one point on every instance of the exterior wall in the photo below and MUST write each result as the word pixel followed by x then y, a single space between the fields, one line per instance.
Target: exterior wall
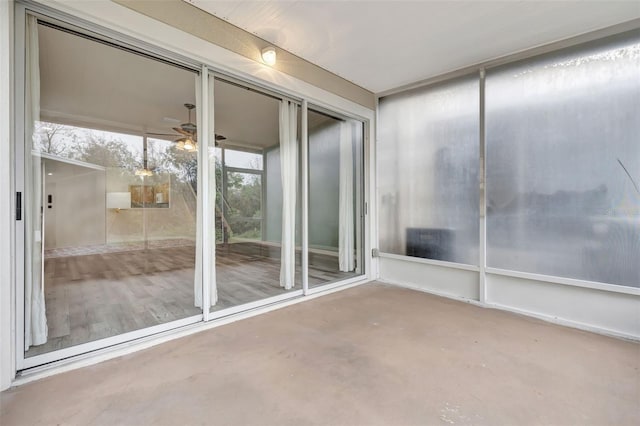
pixel 77 214
pixel 604 311
pixel 601 308
pixel 180 14
pixel 7 361
pixel 439 279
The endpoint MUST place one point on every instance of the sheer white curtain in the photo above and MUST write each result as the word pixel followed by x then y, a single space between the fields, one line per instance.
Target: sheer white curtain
pixel 346 229
pixel 289 176
pixel 211 158
pixel 207 155
pixel 35 327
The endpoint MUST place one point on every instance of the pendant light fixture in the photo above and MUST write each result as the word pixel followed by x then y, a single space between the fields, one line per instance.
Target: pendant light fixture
pixel 144 171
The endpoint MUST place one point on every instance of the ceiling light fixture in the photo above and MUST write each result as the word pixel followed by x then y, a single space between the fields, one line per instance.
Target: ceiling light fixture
pixel 269 55
pixel 145 170
pixel 188 139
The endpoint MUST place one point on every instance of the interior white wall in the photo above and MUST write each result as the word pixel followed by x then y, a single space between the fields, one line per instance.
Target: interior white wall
pixel 7 361
pixel 177 221
pixel 77 213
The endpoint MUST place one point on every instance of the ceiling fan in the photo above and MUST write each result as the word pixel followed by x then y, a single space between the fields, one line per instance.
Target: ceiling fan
pixel 187 137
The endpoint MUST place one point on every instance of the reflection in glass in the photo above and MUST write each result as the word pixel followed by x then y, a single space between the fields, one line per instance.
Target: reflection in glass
pixel 112 210
pixel 335 198
pixel 244 206
pixel 563 164
pixel 249 196
pixel 243 159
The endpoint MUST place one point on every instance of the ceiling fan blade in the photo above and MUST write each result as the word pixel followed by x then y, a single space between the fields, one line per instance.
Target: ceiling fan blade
pixel 189 127
pixel 182 132
pixel 184 139
pixel 220 137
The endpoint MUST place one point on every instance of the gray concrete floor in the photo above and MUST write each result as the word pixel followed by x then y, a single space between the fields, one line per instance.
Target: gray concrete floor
pixel 371 355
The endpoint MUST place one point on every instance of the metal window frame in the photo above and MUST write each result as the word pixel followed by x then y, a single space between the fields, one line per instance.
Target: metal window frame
pixel 604 35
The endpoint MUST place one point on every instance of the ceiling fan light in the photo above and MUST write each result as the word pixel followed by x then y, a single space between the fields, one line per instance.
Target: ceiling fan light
pixel 180 146
pixel 188 145
pixel 143 172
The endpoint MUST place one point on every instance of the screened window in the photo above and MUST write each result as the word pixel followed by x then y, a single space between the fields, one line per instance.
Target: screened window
pixel 428 152
pixel 563 164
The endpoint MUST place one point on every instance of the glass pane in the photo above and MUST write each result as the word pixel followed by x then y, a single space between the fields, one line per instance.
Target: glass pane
pixel 249 205
pixel 335 198
pixel 244 206
pixel 428 179
pixel 563 164
pixel 113 249
pixel 243 160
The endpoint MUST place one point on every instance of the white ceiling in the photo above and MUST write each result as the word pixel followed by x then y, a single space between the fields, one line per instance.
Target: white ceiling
pixel 381 45
pixel 88 84
pixel 244 117
pixel 83 82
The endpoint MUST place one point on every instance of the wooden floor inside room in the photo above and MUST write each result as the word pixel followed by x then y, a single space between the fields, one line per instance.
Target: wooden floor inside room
pixel 104 294
pixel 370 355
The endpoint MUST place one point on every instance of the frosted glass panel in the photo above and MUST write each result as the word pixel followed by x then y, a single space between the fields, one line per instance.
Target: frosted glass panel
pixel 428 154
pixel 563 164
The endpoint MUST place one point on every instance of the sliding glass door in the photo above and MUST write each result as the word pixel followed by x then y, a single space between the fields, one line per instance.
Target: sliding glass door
pixel 257 253
pixel 336 213
pixel 156 198
pixel 111 191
